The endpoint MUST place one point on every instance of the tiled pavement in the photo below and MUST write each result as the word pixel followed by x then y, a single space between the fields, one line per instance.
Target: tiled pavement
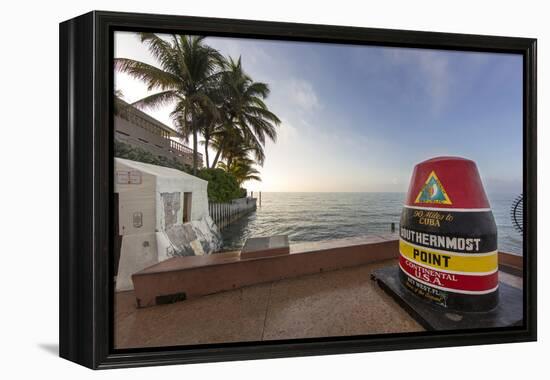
pixel 336 303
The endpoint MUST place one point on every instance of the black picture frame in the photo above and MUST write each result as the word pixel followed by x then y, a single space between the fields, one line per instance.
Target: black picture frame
pixel 86 151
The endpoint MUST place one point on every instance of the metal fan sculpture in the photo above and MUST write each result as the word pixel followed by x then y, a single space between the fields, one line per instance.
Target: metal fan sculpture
pixel 516 213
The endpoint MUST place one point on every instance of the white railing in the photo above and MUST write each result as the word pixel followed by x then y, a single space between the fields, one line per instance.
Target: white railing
pixel 224 214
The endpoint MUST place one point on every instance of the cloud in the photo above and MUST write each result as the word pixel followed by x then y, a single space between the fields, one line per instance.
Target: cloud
pixel 287 132
pixel 433 68
pixel 302 95
pixel 254 56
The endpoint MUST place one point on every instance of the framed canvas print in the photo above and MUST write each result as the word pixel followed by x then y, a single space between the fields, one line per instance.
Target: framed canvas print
pixel 237 189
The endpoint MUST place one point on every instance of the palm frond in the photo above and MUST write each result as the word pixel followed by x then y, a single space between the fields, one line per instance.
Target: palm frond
pixel 257 89
pixel 152 76
pixel 156 100
pixel 162 50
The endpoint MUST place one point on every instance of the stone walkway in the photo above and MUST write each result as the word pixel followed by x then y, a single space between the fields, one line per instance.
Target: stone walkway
pixel 336 303
pixel 342 302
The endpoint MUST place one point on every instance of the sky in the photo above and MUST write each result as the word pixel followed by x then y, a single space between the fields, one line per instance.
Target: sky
pixel 358 118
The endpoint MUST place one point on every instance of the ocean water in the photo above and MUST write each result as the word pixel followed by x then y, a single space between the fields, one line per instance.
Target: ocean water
pixel 306 217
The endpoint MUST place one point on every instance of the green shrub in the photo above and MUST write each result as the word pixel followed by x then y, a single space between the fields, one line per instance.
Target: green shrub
pixel 133 153
pixel 222 186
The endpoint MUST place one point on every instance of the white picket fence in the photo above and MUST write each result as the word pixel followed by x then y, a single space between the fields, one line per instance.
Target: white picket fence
pixel 224 214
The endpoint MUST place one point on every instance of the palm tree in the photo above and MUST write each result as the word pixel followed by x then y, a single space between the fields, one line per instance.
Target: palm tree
pixel 244 116
pixel 231 145
pixel 188 72
pixel 207 124
pixel 242 168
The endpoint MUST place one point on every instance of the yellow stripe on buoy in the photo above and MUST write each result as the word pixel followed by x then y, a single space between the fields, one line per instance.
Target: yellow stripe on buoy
pixel 450 261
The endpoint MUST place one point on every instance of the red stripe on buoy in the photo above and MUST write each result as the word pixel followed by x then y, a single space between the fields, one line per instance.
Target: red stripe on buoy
pixel 450 281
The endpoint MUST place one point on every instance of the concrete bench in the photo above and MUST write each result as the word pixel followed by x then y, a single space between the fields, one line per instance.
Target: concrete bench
pixel 181 278
pixel 265 246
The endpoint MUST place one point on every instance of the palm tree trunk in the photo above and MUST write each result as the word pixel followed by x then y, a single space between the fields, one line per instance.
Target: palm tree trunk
pixel 206 139
pixel 218 153
pixel 195 152
pixel 217 157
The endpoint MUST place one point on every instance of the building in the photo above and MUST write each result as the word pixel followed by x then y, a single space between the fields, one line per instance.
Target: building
pixel 159 213
pixel 138 129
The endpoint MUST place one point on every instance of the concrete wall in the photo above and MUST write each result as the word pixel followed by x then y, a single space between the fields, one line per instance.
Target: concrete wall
pixel 151 211
pixel 137 252
pixel 137 132
pixel 136 135
pixel 186 183
pixel 134 198
pixel 139 243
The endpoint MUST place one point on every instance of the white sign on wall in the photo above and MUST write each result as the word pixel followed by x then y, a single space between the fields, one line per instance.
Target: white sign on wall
pixel 126 177
pixel 135 177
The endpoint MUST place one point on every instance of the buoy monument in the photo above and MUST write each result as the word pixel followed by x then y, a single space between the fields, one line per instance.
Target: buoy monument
pixel 448 237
